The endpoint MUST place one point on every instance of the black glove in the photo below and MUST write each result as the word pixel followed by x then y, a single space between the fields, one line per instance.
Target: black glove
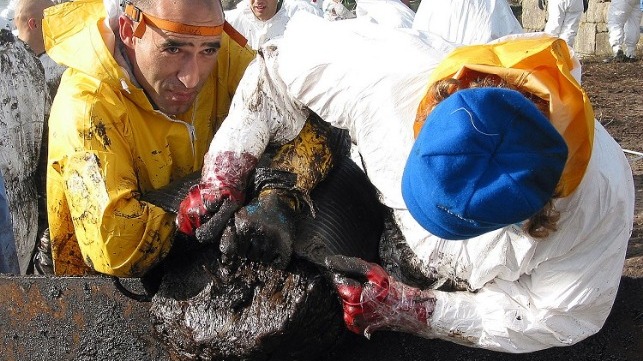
pixel 541 4
pixel 263 230
pixel 170 196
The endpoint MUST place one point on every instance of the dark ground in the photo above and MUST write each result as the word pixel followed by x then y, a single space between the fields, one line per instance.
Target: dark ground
pixel 616 91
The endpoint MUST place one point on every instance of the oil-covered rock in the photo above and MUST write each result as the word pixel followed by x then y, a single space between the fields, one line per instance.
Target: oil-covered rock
pixel 205 310
pixel 23 100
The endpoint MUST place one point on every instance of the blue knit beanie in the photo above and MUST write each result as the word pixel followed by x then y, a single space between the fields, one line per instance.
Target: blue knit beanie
pixel 484 159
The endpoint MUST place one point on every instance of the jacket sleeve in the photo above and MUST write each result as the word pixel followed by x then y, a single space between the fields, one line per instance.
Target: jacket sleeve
pixel 567 293
pixel 232 61
pixel 261 113
pixel 92 170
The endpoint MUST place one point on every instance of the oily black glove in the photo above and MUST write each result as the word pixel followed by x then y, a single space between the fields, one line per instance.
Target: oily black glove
pixel 263 230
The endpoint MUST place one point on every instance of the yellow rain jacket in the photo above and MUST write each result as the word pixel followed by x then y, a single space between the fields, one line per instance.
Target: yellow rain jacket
pixel 107 145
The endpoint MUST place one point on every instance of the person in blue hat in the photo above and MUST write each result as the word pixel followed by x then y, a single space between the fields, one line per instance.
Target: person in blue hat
pixel 510 206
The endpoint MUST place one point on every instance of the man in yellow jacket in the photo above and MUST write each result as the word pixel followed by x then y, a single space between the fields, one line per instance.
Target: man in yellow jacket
pixel 145 91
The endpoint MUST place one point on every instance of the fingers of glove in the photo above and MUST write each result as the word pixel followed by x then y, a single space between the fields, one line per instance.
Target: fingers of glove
pixel 352 320
pixel 348 289
pixel 267 230
pixel 360 319
pixel 209 232
pixel 358 268
pixel 268 251
pixel 267 243
pixel 350 266
pixel 189 216
pixel 193 211
pixel 231 246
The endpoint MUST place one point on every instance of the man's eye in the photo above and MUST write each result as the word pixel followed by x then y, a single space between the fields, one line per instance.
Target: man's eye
pixel 210 51
pixel 172 50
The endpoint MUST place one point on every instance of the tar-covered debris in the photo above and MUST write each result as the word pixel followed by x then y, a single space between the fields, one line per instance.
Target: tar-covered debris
pixel 247 311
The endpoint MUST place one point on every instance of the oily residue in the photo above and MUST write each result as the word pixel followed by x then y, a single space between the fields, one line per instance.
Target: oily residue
pixel 247 311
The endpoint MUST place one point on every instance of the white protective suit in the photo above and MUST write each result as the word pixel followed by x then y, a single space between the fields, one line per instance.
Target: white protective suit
pixel 623 25
pixel 334 10
pixel 312 6
pixel 563 19
pixel 467 21
pixel 6 16
pixel 370 79
pixel 258 31
pixel 391 13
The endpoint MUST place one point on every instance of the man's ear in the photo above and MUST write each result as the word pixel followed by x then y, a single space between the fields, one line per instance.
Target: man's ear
pixel 32 23
pixel 126 30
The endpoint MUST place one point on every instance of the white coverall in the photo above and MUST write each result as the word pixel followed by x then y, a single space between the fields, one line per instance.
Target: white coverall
pixel 391 13
pixel 369 79
pixel 311 6
pixel 467 21
pixel 258 31
pixel 623 25
pixel 334 10
pixel 563 19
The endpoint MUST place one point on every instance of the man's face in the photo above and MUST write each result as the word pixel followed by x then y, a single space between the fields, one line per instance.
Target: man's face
pixel 28 22
pixel 171 67
pixel 21 23
pixel 264 9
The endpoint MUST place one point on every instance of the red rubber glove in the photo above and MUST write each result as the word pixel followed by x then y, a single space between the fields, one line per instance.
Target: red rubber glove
pixel 374 300
pixel 220 192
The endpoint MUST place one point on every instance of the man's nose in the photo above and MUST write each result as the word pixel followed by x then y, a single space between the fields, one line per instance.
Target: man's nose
pixel 189 72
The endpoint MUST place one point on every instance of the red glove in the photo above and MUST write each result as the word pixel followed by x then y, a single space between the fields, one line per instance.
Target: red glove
pixel 202 203
pixel 373 300
pixel 220 192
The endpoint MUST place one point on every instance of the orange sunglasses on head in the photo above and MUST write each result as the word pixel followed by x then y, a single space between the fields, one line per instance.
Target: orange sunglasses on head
pixel 139 16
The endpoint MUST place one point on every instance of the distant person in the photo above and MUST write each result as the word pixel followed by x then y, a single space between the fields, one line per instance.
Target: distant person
pixel 8 256
pixel 262 20
pixel 312 6
pixel 563 18
pixel 6 16
pixel 28 22
pixel 339 10
pixel 392 13
pixel 467 21
pixel 624 27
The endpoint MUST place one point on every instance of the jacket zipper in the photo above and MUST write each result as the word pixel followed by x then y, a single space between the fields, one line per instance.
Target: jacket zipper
pixel 190 127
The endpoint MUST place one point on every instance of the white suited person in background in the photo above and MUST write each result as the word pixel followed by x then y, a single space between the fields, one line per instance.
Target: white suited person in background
pixel 623 26
pixel 563 18
pixel 262 20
